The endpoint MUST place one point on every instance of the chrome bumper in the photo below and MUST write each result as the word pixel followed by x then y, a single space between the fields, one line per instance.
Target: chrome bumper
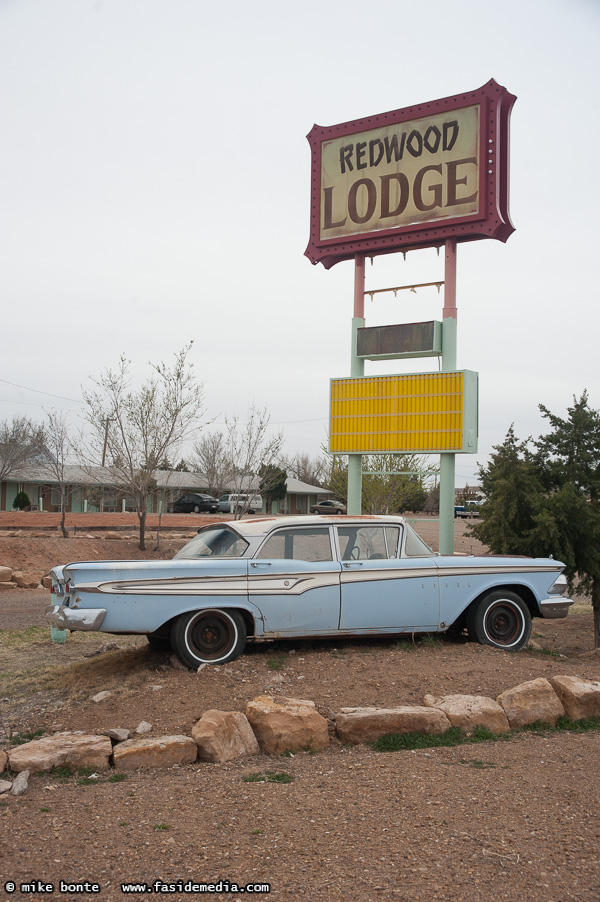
pixel 74 619
pixel 553 608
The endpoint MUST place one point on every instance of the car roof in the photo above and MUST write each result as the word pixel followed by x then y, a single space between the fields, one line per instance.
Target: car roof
pixel 260 526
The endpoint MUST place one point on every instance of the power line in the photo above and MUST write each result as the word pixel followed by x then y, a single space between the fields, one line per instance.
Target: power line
pixel 40 392
pixel 31 404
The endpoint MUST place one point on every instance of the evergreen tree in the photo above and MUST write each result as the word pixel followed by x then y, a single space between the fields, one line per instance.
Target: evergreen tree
pixel 547 502
pixel 512 490
pixel 569 464
pixel 273 484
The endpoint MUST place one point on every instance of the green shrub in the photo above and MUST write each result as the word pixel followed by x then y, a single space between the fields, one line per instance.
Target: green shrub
pixel 21 501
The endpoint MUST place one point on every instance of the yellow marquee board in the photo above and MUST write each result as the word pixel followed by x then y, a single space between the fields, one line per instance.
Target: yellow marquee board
pixel 404 414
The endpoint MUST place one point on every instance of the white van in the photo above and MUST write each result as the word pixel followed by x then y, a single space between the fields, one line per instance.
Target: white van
pixel 251 505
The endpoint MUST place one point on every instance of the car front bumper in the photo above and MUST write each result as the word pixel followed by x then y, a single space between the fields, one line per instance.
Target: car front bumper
pixel 74 619
pixel 554 608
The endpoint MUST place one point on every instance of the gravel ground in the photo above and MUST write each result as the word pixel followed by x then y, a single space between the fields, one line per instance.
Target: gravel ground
pixel 498 820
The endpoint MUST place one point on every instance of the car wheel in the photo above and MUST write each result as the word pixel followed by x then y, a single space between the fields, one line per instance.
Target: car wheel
pixel 208 637
pixel 501 619
pixel 196 509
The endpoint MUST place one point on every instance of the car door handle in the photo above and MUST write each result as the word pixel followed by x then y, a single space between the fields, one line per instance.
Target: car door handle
pixel 260 564
pixel 353 564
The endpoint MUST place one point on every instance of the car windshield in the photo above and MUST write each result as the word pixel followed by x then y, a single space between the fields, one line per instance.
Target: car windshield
pixel 214 541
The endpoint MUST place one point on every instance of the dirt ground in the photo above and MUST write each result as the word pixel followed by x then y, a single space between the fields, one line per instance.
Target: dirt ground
pixel 498 820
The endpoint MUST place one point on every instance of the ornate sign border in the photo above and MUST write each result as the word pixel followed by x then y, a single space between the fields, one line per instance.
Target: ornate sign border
pixel 492 220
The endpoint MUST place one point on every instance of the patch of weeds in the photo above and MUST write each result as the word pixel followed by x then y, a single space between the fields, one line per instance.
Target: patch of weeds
pixel 477 764
pixel 396 742
pixel 44 810
pixel 162 827
pixel 62 772
pixel 117 778
pixel 22 738
pixel 258 832
pixel 538 726
pixel 123 824
pixel 405 645
pixel 431 641
pixel 269 776
pixel 564 725
pixel 287 754
pixel 543 651
pixel 482 734
pixel 337 652
pixel 277 662
pixel 21 638
pixel 309 749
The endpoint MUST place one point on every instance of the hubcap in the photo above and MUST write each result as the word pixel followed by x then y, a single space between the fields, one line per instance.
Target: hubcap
pixel 503 624
pixel 211 636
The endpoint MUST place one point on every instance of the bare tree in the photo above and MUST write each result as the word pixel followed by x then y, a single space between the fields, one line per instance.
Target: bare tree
pixel 248 448
pixel 133 431
pixel 58 448
pixel 311 470
pixel 210 458
pixel 20 442
pixel 391 483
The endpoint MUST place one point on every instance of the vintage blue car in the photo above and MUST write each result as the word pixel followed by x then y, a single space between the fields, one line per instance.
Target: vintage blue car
pixel 300 577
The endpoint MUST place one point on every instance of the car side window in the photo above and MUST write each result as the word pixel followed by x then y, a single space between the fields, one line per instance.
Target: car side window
pixel 367 543
pixel 392 537
pixel 414 545
pixel 298 545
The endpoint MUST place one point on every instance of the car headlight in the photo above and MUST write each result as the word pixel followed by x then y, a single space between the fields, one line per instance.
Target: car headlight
pixel 559 586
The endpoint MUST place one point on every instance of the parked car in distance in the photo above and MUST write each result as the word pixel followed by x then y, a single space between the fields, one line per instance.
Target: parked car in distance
pixel 306 577
pixel 328 507
pixel 194 503
pixel 249 504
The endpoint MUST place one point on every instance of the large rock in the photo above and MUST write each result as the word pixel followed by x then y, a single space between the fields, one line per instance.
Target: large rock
pixel 117 734
pixel 580 698
pixel 470 711
pixel 224 735
pixel 60 750
pixel 5 786
pixel 20 783
pixel 27 579
pixel 530 702
pixel 287 724
pixel 7 585
pixel 5 574
pixel 160 751
pixel 369 724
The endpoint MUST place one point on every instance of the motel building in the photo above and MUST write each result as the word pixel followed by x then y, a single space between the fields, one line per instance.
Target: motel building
pixel 95 489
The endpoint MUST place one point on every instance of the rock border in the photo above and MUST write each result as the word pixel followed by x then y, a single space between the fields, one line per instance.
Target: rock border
pixel 275 725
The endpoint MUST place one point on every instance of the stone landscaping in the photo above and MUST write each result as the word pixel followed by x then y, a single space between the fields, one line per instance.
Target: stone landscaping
pixel 23 579
pixel 277 725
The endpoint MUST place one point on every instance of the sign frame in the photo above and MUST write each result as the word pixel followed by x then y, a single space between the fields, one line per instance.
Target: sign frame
pixel 492 219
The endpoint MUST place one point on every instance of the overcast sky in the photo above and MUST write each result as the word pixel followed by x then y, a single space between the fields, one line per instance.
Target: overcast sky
pixel 155 180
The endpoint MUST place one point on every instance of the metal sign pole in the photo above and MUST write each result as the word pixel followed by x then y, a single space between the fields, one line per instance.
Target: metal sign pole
pixel 357 369
pixel 448 461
